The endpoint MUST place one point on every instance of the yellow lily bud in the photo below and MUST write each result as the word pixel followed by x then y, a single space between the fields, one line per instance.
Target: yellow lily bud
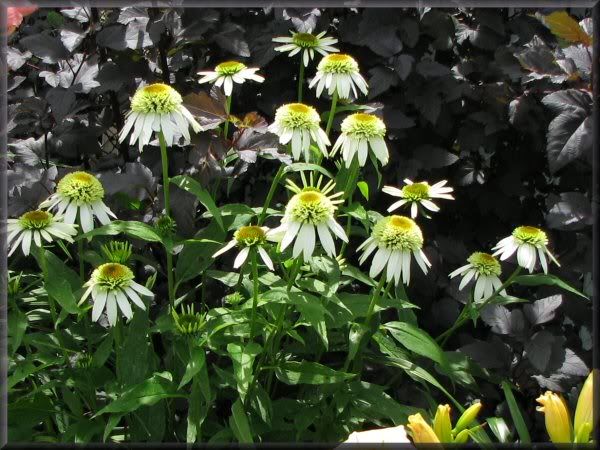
pixel 467 417
pixel 558 420
pixel 441 423
pixel 584 413
pixel 420 430
pixel 582 436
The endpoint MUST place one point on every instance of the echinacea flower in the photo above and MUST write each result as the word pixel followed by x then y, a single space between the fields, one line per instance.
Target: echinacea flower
pixel 396 239
pixel 339 73
pixel 557 417
pixel 113 284
pixel 37 226
pixel 229 72
pixel 529 243
pixel 79 194
pixel 154 108
pixel 310 212
pixel 483 268
pixel 418 194
pixel 247 238
pixel 307 43
pixel 360 132
pixel 187 321
pixel 299 124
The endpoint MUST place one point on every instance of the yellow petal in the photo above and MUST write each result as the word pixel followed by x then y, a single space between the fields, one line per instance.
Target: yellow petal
pixel 585 404
pixel 441 423
pixel 556 414
pixel 420 430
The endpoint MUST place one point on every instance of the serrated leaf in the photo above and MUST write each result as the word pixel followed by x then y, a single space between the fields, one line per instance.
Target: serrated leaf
pixel 565 27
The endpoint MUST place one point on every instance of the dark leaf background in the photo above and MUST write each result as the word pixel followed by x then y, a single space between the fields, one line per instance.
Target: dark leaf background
pixel 484 98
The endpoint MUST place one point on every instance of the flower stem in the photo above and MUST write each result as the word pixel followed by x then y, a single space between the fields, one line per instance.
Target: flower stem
pixel 300 80
pixel 166 181
pixel 81 262
pixel 254 291
pixel 374 299
pixel 463 316
pixel 227 111
pixel 334 100
pixel 349 193
pixel 269 198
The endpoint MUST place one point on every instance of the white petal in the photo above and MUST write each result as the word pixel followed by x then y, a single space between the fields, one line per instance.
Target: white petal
pixel 124 305
pixel 241 257
pixel 99 302
pixel 266 259
pixel 111 308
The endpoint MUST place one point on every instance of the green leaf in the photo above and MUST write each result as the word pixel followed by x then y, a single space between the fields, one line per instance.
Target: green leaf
pixel 305 372
pixel 548 280
pixel 132 228
pixel 148 392
pixel 194 366
pixel 301 167
pixel 363 187
pixel 192 186
pixel 103 351
pixel 417 341
pixel 372 399
pixel 499 428
pixel 194 259
pixel 313 311
pixel 243 359
pixel 515 412
pixel 112 422
pixel 239 423
pixel 134 354
pixel 61 283
pixel 17 325
pixel 398 358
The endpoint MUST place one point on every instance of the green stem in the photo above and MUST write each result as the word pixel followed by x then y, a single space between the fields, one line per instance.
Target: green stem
pixel 269 198
pixel 463 316
pixel 166 181
pixel 300 80
pixel 294 274
pixel 349 193
pixel 254 291
pixel 334 100
pixel 227 111
pixel 81 262
pixel 374 299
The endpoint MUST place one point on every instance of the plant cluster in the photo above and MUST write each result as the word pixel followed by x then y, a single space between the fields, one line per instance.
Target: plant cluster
pixel 182 272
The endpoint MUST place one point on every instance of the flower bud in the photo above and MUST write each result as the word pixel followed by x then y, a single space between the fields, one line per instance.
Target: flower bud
pixel 558 420
pixel 441 423
pixel 420 430
pixel 584 413
pixel 467 417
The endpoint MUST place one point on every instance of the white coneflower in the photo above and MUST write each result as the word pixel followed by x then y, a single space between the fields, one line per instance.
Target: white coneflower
pixel 80 193
pixel 229 72
pixel 310 212
pixel 338 73
pixel 529 243
pixel 483 268
pixel 359 132
pixel 154 108
pixel 417 194
pixel 248 237
pixel 395 238
pixel 308 44
pixel 35 226
pixel 299 124
pixel 113 284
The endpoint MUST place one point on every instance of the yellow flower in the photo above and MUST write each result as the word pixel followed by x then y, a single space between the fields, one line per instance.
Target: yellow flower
pixel 584 413
pixel 441 423
pixel 420 430
pixel 558 420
